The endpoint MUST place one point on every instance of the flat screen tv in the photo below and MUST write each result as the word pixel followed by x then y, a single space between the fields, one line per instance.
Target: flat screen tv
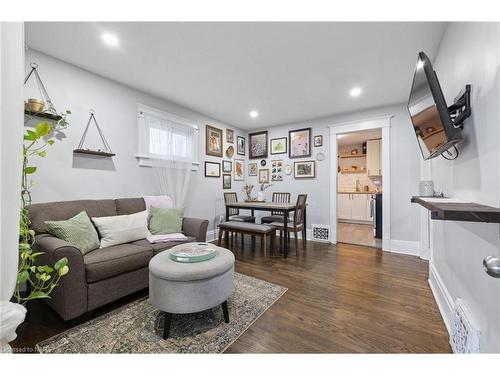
pixel 432 123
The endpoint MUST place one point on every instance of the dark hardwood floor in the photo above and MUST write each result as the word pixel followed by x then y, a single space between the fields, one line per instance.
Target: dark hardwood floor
pixel 340 299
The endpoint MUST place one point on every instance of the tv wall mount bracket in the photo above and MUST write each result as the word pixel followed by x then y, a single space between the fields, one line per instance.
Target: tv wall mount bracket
pixel 460 109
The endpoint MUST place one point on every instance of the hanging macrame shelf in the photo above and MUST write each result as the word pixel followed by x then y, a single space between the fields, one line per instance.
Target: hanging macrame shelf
pixel 50 113
pixel 80 150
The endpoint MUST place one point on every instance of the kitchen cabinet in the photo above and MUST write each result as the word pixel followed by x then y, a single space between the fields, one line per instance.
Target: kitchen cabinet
pixel 344 206
pixel 374 157
pixel 355 207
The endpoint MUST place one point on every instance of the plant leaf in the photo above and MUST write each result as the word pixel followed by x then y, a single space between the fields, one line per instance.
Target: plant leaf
pixel 63 270
pixel 38 294
pixel 30 136
pixel 22 276
pixel 50 142
pixel 29 170
pixel 61 263
pixel 42 153
pixel 42 129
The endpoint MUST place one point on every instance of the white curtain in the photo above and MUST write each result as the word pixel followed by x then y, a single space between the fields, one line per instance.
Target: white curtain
pixel 173 179
pixel 171 147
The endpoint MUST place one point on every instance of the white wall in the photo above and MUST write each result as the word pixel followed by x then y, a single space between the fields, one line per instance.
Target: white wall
pixel 405 170
pixel 65 176
pixel 11 133
pixel 470 54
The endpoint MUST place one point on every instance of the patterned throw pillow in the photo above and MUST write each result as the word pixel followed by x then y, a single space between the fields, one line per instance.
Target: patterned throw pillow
pixel 78 231
pixel 166 220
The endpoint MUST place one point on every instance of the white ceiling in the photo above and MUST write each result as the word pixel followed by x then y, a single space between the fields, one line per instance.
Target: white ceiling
pixel 355 138
pixel 289 72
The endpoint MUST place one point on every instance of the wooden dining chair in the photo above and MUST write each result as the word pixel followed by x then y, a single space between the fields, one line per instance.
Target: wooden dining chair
pixel 297 225
pixel 276 215
pixel 234 213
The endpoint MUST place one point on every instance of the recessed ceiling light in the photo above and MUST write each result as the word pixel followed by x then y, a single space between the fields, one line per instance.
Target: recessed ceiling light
pixel 253 114
pixel 355 91
pixel 110 39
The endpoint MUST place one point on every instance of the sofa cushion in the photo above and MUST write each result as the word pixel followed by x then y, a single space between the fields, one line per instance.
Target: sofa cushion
pixel 78 231
pixel 115 230
pixel 127 206
pixel 159 247
pixel 111 261
pixel 166 220
pixel 42 212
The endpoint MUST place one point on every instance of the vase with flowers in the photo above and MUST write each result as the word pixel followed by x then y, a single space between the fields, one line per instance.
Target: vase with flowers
pixel 247 189
pixel 260 194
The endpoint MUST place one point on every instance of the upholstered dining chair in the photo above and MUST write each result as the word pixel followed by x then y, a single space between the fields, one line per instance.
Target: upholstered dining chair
pixel 234 213
pixel 276 215
pixel 297 225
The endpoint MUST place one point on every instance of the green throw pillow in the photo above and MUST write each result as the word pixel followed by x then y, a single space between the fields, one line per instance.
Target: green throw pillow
pixel 78 231
pixel 166 220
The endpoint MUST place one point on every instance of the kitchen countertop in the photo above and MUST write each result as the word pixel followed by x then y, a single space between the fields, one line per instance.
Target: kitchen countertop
pixel 357 192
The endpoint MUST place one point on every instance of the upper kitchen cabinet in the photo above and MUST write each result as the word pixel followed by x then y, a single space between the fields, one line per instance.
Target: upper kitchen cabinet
pixel 374 157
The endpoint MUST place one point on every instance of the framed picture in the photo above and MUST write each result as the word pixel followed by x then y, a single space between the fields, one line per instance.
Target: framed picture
pixel 227 166
pixel 278 146
pixel 263 176
pixel 252 169
pixel 277 170
pixel 239 169
pixel 229 136
pixel 212 169
pixel 299 143
pixel 240 145
pixel 318 141
pixel 213 141
pixel 304 169
pixel 226 181
pixel 257 145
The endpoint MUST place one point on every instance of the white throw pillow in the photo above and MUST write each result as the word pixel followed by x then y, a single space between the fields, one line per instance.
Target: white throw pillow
pixel 115 230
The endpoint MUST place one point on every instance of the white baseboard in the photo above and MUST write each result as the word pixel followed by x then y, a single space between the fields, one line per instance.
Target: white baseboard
pixel 442 296
pixel 405 247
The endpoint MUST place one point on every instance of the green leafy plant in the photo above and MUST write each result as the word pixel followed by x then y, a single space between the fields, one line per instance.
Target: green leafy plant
pixel 40 279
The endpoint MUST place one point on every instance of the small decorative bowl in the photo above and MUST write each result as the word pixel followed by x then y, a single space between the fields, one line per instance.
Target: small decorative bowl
pixel 35 105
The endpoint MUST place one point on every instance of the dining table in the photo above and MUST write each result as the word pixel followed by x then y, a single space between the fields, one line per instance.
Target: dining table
pixel 285 208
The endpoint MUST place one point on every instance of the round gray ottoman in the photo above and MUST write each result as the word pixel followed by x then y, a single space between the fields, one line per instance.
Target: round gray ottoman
pixel 183 288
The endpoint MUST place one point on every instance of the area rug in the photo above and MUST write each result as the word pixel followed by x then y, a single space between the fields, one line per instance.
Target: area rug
pixel 138 326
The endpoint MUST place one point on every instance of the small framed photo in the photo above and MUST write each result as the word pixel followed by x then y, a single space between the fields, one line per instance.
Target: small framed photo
pixel 257 145
pixel 299 143
pixel 263 176
pixel 226 181
pixel 278 146
pixel 252 169
pixel 212 169
pixel 240 145
pixel 213 141
pixel 318 141
pixel 239 169
pixel 277 170
pixel 229 135
pixel 304 169
pixel 227 166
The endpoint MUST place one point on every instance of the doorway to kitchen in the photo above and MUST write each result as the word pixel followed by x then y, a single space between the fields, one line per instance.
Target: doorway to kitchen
pixel 360 183
pixel 359 188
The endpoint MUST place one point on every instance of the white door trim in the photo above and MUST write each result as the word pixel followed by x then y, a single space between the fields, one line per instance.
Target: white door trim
pixel 383 123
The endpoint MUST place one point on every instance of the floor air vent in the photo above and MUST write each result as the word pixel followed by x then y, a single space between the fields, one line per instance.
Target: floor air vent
pixel 465 333
pixel 320 232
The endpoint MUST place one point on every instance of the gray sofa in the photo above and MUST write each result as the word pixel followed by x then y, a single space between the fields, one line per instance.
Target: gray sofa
pixel 103 275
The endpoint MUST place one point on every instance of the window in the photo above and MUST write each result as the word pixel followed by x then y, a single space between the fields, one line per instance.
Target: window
pixel 165 136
